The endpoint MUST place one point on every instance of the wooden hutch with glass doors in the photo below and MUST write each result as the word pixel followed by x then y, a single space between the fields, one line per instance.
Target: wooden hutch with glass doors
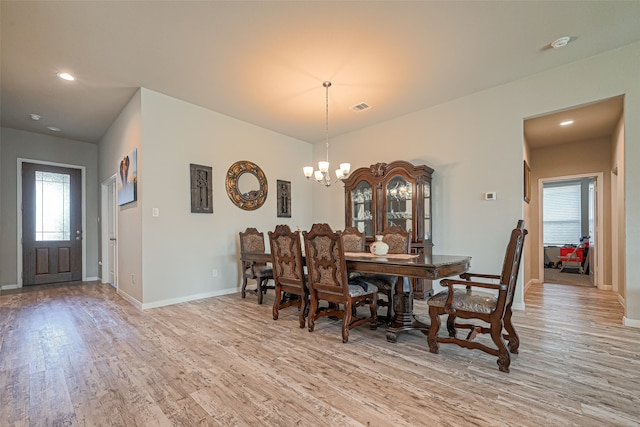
pixel 386 194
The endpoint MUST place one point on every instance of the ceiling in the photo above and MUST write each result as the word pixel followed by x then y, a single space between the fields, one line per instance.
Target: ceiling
pixel 592 121
pixel 263 62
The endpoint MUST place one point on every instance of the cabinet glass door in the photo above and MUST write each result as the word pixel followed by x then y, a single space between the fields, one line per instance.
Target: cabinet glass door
pixel 398 193
pixel 361 208
pixel 427 211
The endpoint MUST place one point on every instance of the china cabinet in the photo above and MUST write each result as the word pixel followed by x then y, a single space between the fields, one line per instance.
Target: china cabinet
pixel 386 194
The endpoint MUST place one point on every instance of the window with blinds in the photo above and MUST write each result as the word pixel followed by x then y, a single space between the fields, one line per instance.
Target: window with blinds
pixel 562 213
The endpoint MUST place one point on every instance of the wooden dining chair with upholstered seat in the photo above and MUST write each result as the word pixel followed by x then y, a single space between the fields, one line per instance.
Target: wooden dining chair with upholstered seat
pixel 490 308
pixel 288 272
pixel 328 281
pixel 251 240
pixel 399 242
pixel 353 240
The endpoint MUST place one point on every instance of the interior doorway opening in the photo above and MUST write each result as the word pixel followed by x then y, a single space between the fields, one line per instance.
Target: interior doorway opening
pixel 560 241
pixel 109 231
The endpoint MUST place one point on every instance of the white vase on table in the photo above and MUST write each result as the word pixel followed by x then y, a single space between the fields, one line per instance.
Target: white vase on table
pixel 379 247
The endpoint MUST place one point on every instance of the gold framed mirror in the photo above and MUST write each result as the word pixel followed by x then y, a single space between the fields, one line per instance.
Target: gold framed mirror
pixel 246 185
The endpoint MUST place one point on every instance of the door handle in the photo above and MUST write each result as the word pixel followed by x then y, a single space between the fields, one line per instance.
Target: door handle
pixel 113 239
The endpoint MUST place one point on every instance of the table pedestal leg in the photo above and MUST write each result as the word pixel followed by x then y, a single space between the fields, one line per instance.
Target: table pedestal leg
pixel 403 319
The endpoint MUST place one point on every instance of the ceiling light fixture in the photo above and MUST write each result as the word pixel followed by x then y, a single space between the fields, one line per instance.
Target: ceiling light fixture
pixel 566 123
pixel 561 42
pixel 66 76
pixel 322 176
pixel 54 129
pixel 34 116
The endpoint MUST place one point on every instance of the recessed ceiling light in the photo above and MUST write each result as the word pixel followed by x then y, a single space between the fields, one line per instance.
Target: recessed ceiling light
pixel 566 123
pixel 54 129
pixel 34 116
pixel 66 76
pixel 561 42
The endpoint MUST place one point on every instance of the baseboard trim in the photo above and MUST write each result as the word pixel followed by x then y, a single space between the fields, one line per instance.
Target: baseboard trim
pixel 188 298
pixel 630 322
pixel 9 287
pixel 137 304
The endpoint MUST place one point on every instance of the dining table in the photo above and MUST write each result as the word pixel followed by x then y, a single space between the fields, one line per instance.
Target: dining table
pixel 419 266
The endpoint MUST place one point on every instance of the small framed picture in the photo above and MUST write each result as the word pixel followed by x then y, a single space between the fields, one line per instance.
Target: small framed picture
pixel 201 189
pixel 527 182
pixel 284 199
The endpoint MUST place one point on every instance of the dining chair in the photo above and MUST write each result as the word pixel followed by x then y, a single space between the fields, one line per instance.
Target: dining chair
pixel 353 240
pixel 328 281
pixel 399 242
pixel 251 240
pixel 493 308
pixel 288 272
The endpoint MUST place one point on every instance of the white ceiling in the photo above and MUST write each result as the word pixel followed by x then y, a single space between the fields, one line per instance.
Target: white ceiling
pixel 264 62
pixel 591 121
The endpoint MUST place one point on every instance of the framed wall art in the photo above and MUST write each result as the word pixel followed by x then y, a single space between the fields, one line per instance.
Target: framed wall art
pixel 284 199
pixel 128 178
pixel 527 182
pixel 201 188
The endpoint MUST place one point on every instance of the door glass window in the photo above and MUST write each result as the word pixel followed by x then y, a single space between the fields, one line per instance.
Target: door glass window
pixel 53 206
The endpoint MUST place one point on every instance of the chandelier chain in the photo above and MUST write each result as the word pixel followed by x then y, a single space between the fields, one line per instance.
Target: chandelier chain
pixel 326 124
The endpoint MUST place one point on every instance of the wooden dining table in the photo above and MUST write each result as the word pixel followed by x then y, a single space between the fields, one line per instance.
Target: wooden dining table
pixel 420 266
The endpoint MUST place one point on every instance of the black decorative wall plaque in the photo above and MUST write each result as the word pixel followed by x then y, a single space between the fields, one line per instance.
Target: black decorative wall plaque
pixel 284 199
pixel 201 189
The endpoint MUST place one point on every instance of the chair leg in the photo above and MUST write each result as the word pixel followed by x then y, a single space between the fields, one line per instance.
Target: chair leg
pixel 276 303
pixel 346 321
pixel 511 335
pixel 504 360
pixel 311 321
pixel 451 325
pixel 373 308
pixel 432 338
pixel 259 291
pixel 243 290
pixel 303 307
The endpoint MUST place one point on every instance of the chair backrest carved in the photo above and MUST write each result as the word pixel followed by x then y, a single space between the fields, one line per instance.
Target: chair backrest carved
pixel 286 255
pixel 326 265
pixel 353 240
pixel 511 266
pixel 399 241
pixel 251 240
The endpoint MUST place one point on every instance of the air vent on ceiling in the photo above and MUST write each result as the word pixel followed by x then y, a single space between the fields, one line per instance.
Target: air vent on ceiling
pixel 360 107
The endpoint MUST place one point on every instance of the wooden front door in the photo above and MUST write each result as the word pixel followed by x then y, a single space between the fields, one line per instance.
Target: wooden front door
pixel 51 224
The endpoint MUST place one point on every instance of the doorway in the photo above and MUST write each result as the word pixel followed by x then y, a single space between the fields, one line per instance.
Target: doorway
pixel 109 273
pixel 590 225
pixel 51 223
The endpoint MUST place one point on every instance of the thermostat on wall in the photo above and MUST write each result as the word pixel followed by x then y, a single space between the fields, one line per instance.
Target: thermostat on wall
pixel 490 195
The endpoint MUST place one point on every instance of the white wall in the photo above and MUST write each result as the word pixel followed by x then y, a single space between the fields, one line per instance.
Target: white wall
pixel 33 146
pixel 618 238
pixel 121 137
pixel 181 249
pixel 475 144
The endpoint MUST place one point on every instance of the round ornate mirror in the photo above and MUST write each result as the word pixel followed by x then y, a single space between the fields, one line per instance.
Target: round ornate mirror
pixel 246 185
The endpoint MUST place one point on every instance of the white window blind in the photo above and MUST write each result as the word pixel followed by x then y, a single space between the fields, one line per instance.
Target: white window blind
pixel 561 214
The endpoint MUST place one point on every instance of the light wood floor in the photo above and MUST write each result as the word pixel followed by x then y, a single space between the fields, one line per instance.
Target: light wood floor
pixel 81 355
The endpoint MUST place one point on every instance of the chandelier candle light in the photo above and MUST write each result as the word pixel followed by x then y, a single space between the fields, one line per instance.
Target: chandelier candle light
pixel 322 175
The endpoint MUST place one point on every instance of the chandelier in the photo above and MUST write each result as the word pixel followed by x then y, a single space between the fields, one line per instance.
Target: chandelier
pixel 322 175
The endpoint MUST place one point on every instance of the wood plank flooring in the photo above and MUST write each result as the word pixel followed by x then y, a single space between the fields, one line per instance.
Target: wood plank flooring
pixel 80 355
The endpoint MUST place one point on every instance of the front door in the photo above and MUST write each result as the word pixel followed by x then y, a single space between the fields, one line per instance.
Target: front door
pixel 51 224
